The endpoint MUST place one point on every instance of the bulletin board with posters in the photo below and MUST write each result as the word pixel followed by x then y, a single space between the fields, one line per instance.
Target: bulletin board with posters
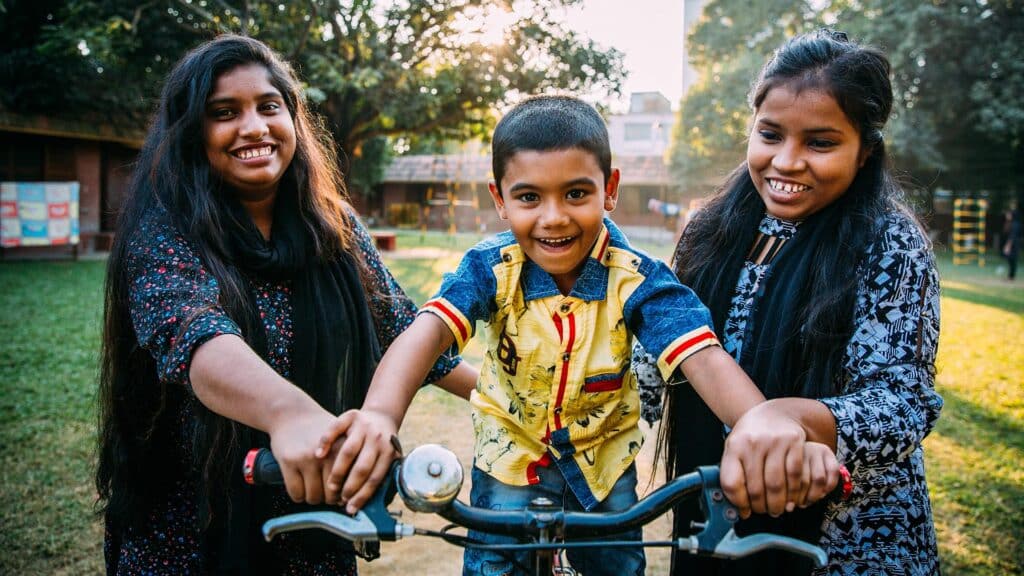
pixel 38 214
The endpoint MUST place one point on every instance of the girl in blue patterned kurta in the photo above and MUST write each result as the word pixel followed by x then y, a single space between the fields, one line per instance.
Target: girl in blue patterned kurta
pixel 245 306
pixel 824 289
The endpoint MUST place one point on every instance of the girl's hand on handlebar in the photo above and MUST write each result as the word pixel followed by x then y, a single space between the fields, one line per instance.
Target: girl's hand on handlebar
pixel 762 468
pixel 363 459
pixel 821 473
pixel 293 443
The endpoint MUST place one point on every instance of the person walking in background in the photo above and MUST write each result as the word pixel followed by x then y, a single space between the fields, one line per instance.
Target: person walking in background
pixel 1011 239
pixel 245 306
pixel 823 286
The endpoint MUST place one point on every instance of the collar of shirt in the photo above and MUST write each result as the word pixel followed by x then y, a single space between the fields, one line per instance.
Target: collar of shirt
pixel 592 285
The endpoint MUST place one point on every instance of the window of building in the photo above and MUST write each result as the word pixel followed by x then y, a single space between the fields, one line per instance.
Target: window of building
pixel 637 132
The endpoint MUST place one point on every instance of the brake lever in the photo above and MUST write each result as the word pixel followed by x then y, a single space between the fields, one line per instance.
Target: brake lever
pixel 364 530
pixel 719 539
pixel 355 529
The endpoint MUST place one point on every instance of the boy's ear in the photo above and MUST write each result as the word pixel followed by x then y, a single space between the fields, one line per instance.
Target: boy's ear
pixel 611 190
pixel 499 203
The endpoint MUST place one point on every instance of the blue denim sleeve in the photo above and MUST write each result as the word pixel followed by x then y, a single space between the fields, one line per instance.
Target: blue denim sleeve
pixel 392 309
pixel 173 301
pixel 667 318
pixel 466 295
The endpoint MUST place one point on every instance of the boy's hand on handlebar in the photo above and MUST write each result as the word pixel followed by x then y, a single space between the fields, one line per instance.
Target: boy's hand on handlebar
pixel 363 459
pixel 762 468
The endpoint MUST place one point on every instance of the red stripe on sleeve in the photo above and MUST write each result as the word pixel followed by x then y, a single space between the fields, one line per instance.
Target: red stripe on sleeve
pixel 451 315
pixel 689 344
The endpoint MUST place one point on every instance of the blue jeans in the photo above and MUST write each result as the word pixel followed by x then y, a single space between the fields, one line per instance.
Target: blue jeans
pixel 490 493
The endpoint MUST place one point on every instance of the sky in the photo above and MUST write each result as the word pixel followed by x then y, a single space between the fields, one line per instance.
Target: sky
pixel 649 32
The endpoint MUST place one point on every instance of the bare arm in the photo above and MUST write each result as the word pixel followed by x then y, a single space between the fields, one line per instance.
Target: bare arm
pixel 233 381
pixel 461 381
pixel 721 383
pixel 762 468
pixel 367 451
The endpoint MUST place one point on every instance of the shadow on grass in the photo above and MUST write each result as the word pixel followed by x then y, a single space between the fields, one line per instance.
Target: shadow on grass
pixel 1003 302
pixel 977 425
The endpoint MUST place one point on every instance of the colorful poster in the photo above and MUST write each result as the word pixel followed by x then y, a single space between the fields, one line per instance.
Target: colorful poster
pixel 38 213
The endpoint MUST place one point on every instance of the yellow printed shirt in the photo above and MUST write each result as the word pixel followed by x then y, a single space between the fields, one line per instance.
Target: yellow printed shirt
pixel 555 385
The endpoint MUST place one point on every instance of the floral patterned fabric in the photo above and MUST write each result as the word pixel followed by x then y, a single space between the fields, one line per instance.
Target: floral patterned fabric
pixel 170 289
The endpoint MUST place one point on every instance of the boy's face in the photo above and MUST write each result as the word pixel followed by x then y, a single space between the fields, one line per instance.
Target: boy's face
pixel 555 201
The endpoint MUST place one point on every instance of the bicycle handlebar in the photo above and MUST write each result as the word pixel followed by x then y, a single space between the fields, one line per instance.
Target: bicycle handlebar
pixel 429 478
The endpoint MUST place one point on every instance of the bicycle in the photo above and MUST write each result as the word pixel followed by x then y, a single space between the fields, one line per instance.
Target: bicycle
pixel 429 478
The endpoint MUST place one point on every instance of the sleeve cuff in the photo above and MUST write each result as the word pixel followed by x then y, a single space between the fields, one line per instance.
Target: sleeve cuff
pixel 456 321
pixel 683 347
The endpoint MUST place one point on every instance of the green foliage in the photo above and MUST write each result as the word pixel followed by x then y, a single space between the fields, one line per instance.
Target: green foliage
pixel 374 69
pixel 958 80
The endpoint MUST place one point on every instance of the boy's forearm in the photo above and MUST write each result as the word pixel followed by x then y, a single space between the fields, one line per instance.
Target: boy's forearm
pixel 721 383
pixel 405 365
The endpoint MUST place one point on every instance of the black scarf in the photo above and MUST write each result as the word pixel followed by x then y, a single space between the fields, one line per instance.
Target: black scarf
pixel 335 351
pixel 773 355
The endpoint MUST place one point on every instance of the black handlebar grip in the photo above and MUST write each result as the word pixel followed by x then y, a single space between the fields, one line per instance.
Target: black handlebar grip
pixel 261 468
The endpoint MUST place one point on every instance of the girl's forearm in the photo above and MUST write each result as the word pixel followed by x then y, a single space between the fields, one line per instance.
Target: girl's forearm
pixel 815 418
pixel 233 381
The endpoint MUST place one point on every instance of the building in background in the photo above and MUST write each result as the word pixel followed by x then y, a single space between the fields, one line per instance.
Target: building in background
pixel 646 129
pixel 92 152
pixel 437 191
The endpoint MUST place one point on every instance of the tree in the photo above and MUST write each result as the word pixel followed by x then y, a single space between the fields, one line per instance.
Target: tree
pixel 373 69
pixel 727 47
pixel 958 79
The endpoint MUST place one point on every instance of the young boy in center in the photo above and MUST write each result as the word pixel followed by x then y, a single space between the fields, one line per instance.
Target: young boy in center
pixel 561 297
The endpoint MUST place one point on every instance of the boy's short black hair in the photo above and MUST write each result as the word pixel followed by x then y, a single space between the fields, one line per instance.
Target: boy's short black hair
pixel 542 123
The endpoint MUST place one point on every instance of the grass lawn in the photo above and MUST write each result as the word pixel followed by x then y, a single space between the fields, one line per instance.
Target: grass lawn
pixel 51 323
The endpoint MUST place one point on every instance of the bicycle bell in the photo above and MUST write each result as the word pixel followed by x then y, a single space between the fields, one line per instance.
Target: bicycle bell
pixel 430 478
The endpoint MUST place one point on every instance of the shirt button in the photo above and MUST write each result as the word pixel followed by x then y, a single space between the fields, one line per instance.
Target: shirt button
pixel 565 308
pixel 565 357
pixel 506 257
pixel 558 410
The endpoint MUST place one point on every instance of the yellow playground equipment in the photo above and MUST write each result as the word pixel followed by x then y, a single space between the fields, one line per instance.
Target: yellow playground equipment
pixel 448 199
pixel 969 230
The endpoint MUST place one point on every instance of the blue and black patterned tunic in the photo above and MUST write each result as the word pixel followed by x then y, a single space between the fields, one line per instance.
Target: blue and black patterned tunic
pixel 887 405
pixel 170 286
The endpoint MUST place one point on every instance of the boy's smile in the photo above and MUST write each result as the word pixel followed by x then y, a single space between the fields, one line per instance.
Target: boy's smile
pixel 555 201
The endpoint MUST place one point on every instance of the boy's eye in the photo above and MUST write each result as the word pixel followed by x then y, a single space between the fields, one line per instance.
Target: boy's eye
pixel 769 135
pixel 528 197
pixel 576 194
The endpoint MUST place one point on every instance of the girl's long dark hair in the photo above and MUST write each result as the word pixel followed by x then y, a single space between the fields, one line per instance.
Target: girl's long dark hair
pixel 172 171
pixel 715 244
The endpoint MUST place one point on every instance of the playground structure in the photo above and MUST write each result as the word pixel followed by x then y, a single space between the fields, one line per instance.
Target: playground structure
pixel 968 237
pixel 448 199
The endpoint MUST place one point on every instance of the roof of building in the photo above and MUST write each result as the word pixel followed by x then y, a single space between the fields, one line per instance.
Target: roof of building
pixel 86 127
pixel 424 168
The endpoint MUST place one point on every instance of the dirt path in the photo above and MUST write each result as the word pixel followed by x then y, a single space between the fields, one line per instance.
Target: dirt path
pixel 438 418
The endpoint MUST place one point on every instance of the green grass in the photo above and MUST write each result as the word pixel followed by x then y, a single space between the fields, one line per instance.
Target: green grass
pixel 50 328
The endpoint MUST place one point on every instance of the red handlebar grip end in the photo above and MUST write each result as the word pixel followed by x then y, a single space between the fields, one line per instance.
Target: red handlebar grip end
pixel 847 481
pixel 250 465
